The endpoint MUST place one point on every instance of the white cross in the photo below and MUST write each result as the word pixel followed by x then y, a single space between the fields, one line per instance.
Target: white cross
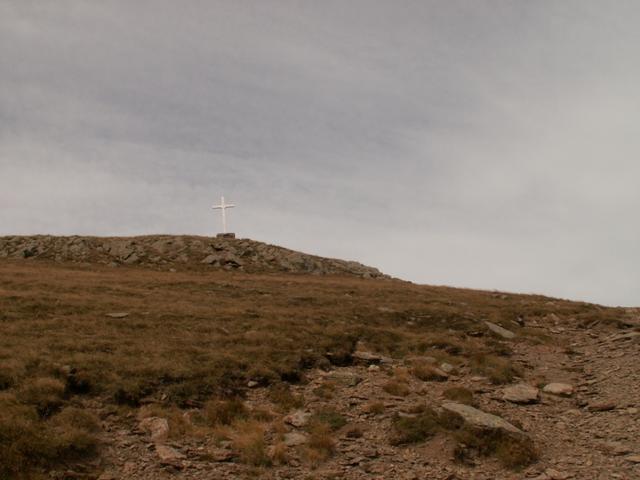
pixel 223 206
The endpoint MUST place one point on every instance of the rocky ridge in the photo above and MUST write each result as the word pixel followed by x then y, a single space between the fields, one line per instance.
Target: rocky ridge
pixel 178 251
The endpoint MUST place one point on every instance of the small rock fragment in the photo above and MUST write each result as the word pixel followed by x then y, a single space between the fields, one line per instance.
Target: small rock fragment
pixel 298 419
pixel 370 358
pixel 157 427
pixel 346 379
pixel 117 315
pixel 520 393
pixel 602 406
pixel 447 367
pixel 553 474
pixel 561 389
pixel 169 456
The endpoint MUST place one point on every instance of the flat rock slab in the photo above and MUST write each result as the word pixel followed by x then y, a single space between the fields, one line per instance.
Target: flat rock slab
pixel 561 389
pixel 293 439
pixel 346 379
pixel 168 455
pixel 500 331
pixel 370 358
pixel 520 393
pixel 479 419
pixel 117 315
pixel 602 406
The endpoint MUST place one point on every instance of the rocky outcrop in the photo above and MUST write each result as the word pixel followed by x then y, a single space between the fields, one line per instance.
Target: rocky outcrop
pixel 184 252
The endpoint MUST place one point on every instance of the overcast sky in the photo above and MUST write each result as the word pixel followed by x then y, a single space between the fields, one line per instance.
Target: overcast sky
pixel 485 144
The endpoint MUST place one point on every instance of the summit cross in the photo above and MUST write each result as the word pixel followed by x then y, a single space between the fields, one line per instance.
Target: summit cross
pixel 223 206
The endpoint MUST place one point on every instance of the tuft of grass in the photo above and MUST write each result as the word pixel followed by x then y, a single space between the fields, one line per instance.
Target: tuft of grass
pixel 415 429
pixel 179 425
pixel 282 396
pixel 326 391
pixel 427 372
pixel 248 439
pixel 278 454
pixel 374 408
pixel 321 444
pixel 28 441
pixel 512 451
pixel 460 395
pixel 330 417
pixel 225 412
pixel 397 388
pixel 498 370
pixel 44 393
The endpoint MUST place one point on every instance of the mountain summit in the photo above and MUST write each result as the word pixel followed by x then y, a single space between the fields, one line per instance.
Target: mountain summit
pixel 179 251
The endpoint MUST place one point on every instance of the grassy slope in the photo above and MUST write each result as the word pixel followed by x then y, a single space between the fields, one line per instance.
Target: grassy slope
pixel 195 335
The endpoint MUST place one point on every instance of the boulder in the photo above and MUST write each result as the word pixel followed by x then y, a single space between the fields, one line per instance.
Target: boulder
pixel 520 393
pixel 500 331
pixel 481 420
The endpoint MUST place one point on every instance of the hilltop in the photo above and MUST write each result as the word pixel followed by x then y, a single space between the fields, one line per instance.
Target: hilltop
pixel 167 367
pixel 179 251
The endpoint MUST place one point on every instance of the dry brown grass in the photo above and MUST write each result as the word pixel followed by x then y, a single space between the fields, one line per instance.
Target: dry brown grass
pixel 321 445
pixel 460 395
pixel 512 452
pixel 191 336
pixel 374 408
pixel 248 438
pixel 225 412
pixel 397 388
pixel 283 397
pixel 498 369
pixel 427 373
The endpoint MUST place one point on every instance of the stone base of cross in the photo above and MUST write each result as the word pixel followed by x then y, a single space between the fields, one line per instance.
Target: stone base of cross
pixel 226 235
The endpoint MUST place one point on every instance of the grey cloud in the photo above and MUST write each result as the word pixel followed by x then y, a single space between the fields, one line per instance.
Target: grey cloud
pixel 488 144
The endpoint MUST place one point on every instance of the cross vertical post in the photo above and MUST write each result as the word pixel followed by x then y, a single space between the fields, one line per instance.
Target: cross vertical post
pixel 223 207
